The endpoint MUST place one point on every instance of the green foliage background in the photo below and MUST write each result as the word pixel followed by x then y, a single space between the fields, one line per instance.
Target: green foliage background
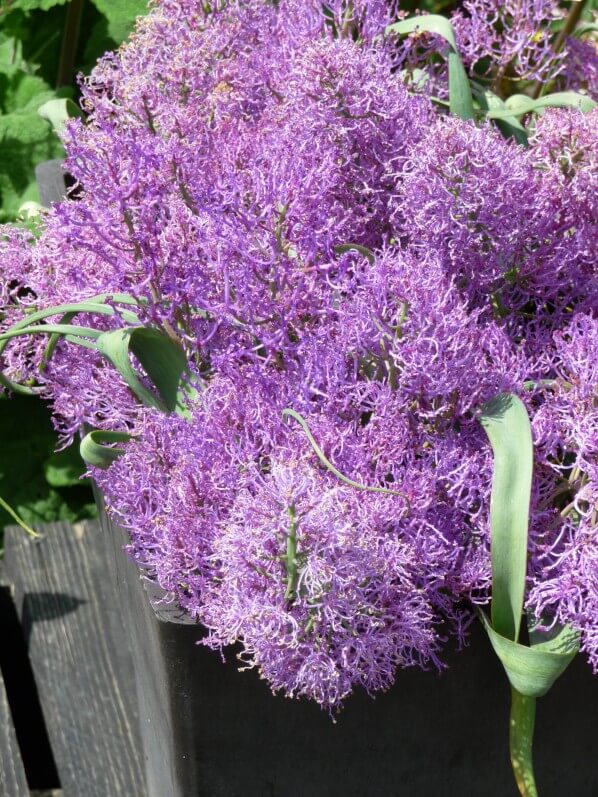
pixel 41 54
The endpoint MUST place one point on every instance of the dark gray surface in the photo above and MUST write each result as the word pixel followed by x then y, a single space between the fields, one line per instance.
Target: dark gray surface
pixel 81 657
pixel 12 775
pixel 50 182
pixel 210 731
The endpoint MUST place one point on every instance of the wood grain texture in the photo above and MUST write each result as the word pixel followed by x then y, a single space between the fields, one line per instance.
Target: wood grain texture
pixel 79 647
pixel 12 775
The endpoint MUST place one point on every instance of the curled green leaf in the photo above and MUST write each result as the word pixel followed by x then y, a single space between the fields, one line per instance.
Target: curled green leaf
pixel 96 447
pixel 509 126
pixel 533 670
pixel 530 670
pixel 163 360
pixel 519 104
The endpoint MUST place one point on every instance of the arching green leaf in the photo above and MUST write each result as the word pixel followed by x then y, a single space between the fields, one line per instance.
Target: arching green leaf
pixel 460 99
pixel 96 448
pixel 289 413
pixel 519 104
pixel 510 126
pixel 69 331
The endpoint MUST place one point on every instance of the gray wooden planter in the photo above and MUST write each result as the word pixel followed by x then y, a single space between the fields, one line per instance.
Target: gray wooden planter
pixel 210 731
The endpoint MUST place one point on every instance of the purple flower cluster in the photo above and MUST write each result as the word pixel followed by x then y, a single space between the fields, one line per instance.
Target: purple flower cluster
pixel 514 34
pixel 319 239
pixel 506 47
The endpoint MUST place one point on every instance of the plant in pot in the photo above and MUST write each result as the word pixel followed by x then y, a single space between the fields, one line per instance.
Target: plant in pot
pixel 330 333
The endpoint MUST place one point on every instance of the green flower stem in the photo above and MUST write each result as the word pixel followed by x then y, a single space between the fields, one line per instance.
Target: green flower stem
pixel 8 508
pixel 291 557
pixel 289 413
pixel 521 735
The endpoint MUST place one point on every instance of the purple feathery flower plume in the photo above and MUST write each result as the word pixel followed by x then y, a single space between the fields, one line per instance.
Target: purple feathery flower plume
pixel 260 180
pixel 514 34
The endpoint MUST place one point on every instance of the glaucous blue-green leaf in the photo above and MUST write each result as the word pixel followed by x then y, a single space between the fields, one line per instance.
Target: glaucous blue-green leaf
pixel 530 670
pixel 507 425
pixel 68 331
pixel 519 104
pixel 162 358
pixel 460 98
pixel 533 670
pixel 97 447
pixel 510 126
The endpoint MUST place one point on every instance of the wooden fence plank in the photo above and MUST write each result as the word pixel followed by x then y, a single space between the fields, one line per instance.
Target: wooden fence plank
pixel 12 775
pixel 65 595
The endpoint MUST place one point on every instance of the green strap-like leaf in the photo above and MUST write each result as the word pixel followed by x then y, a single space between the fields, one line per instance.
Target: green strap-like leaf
pixel 67 330
pixel 15 387
pixel 510 126
pixel 288 413
pixel 530 670
pixel 95 306
pixel 164 362
pixel 342 249
pixel 460 99
pixel 95 449
pixel 507 425
pixel 519 104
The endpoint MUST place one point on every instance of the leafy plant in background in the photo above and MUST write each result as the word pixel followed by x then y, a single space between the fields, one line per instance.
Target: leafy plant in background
pixel 43 485
pixel 41 51
pixel 317 252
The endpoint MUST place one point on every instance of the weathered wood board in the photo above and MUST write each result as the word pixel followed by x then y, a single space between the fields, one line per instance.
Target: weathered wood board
pixel 64 591
pixel 13 782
